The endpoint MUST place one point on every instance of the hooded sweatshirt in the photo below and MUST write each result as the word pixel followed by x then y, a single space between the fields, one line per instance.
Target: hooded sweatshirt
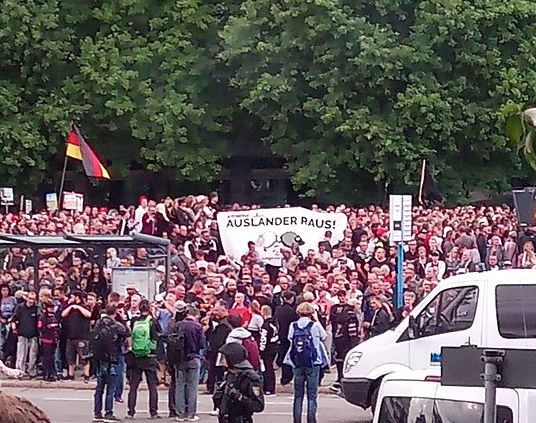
pixel 238 335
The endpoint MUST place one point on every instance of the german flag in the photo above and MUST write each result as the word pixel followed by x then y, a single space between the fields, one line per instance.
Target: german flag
pixel 79 149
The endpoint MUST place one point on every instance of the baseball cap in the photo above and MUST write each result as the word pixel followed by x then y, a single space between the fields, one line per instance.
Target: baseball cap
pixel 201 264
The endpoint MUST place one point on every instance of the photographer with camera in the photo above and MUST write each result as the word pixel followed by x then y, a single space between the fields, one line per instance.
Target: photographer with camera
pixel 240 395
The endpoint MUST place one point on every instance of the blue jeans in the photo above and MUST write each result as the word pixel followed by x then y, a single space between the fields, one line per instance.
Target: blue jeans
pixel 309 377
pixel 120 383
pixel 106 378
pixel 187 379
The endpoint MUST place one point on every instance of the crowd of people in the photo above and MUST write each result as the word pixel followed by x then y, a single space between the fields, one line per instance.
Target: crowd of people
pixel 338 294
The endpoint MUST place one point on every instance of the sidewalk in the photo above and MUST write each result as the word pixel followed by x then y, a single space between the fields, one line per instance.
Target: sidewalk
pixel 80 385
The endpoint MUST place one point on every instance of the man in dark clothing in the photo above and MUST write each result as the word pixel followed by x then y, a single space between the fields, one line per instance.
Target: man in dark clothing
pixel 241 394
pixel 25 327
pixel 269 347
pixel 49 330
pixel 380 322
pixel 107 342
pixel 285 315
pixel 217 332
pixel 345 327
pixel 76 318
pixel 187 372
pixel 139 363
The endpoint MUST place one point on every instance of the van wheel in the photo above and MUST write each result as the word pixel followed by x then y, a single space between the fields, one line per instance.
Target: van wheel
pixel 374 396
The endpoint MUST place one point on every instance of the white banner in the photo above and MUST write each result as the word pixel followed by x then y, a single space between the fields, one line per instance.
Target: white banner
pixel 274 229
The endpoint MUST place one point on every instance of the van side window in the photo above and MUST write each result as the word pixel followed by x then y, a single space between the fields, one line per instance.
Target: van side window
pixel 516 310
pixel 450 311
pixel 430 410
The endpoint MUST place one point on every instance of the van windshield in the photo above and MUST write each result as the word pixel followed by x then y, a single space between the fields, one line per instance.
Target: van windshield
pixel 429 410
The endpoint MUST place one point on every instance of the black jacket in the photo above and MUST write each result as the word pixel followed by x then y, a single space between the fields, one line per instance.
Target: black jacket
pixel 216 336
pixel 26 320
pixel 380 323
pixel 285 315
pixel 269 336
pixel 240 395
pixel 119 329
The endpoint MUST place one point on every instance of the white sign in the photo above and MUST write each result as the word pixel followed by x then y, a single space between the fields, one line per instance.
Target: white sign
pixel 7 197
pixel 28 206
pixel 274 229
pixel 51 200
pixel 73 201
pixel 400 218
pixel 142 279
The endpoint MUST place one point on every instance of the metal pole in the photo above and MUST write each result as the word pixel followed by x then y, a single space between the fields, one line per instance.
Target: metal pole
pixel 62 182
pixel 400 276
pixel 492 360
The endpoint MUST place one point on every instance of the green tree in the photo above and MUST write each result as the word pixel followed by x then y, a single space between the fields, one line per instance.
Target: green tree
pixel 358 92
pixel 137 76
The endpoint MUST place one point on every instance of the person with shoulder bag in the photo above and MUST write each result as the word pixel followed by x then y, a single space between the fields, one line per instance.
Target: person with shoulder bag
pixel 307 356
pixel 240 395
pixel 106 342
pixel 142 359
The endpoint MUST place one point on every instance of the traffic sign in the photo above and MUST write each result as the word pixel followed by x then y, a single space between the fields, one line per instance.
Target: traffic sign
pixel 400 218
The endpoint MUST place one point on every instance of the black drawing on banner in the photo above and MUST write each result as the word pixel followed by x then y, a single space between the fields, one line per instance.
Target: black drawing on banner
pixel 269 239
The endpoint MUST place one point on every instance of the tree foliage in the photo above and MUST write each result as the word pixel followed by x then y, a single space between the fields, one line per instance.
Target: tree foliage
pixel 350 86
pixel 351 93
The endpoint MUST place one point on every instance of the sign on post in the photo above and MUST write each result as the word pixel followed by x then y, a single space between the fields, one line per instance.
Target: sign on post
pixel 7 197
pixel 51 200
pixel 400 218
pixel 73 201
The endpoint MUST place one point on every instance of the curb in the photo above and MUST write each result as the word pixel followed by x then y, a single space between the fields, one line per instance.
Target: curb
pixel 81 386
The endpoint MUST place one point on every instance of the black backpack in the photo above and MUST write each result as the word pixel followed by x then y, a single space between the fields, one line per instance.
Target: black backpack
pixel 176 347
pixel 103 343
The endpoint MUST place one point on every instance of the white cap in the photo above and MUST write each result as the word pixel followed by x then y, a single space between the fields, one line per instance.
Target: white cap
pixel 161 269
pixel 201 264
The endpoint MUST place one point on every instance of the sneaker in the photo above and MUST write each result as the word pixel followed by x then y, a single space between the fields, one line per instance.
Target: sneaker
pixel 214 413
pixel 119 400
pixel 336 387
pixel 98 418
pixel 194 418
pixel 129 416
pixel 180 419
pixel 155 416
pixel 111 419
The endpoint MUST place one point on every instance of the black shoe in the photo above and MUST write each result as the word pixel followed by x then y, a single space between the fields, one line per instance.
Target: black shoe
pixel 130 416
pixel 98 418
pixel 110 418
pixel 172 415
pixel 155 416
pixel 86 379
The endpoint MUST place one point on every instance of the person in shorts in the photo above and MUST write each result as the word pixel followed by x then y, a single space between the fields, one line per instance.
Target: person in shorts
pixel 76 319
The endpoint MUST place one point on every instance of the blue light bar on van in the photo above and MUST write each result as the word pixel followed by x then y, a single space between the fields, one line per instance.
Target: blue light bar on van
pixel 435 358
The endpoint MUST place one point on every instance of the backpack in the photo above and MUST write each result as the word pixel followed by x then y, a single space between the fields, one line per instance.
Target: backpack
pixel 103 343
pixel 252 353
pixel 303 351
pixel 142 344
pixel 176 347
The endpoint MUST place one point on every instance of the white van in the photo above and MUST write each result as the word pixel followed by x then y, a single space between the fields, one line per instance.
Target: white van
pixel 418 397
pixel 494 309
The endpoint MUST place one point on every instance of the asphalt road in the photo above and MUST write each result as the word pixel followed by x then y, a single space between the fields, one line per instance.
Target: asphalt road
pixel 67 406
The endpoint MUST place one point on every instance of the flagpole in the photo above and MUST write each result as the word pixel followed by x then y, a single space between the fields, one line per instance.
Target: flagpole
pixel 62 182
pixel 421 185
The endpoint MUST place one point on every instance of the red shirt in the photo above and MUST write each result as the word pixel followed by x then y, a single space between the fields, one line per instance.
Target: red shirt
pixel 243 312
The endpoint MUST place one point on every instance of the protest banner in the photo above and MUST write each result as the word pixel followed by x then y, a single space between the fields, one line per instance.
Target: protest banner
pixel 274 229
pixel 7 197
pixel 73 201
pixel 51 200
